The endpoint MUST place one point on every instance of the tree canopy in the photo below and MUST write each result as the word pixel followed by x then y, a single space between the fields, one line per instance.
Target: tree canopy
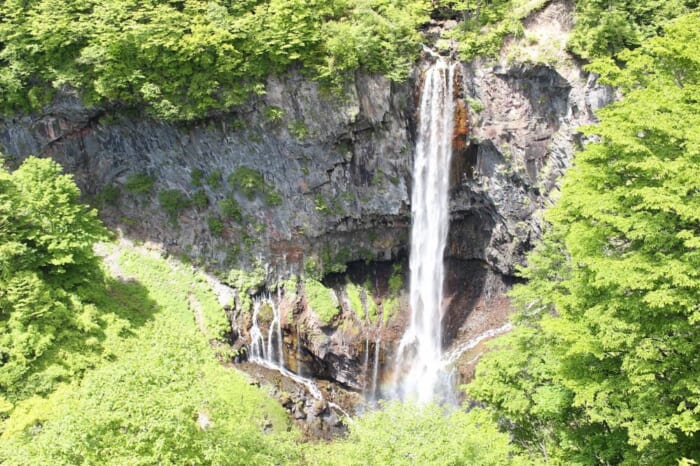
pixel 186 58
pixel 46 263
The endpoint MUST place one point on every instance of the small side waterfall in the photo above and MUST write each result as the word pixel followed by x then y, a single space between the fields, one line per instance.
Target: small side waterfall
pixel 418 363
pixel 375 367
pixel 268 352
pixel 270 349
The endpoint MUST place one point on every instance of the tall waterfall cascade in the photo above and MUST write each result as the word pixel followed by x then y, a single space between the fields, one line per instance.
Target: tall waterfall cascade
pixel 419 369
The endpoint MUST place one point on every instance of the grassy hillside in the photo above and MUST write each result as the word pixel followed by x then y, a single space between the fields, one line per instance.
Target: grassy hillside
pixel 156 393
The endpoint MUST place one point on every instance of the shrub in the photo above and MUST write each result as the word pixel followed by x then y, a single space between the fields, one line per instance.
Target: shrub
pixel 108 195
pixel 200 199
pixel 139 183
pixel 196 177
pixel 214 179
pixel 247 180
pixel 173 201
pixel 230 210
pixel 216 225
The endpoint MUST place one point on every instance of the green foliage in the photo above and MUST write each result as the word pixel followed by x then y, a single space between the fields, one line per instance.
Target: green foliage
pixel 247 180
pixel 312 268
pixel 361 302
pixel 475 105
pixel 47 271
pixel 321 205
pixel 247 283
pixel 379 36
pixel 139 183
pixel 396 279
pixel 355 300
pixel 603 366
pixel 607 28
pixel 272 198
pixel 161 397
pixel 196 177
pixel 230 210
pixel 405 434
pixel 185 59
pixel 109 195
pixel 214 179
pixel 200 199
pixel 389 308
pixel 173 201
pixel 290 285
pixel 251 183
pixel 273 114
pixel 216 225
pixel 299 129
pixel 335 261
pixel 322 301
pixel 485 25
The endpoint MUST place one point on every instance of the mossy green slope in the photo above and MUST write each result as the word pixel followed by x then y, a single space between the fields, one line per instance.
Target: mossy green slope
pixel 163 398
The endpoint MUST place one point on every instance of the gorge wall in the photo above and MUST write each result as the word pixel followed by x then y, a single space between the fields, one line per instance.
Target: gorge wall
pixel 302 182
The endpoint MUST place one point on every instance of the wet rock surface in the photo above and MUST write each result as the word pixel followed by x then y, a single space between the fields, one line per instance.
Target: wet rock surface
pixel 317 418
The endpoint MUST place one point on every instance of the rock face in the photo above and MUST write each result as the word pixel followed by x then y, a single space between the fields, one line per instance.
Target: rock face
pixel 299 180
pixel 318 172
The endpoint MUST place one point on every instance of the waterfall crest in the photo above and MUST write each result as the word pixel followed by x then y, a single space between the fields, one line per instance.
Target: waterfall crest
pixel 418 364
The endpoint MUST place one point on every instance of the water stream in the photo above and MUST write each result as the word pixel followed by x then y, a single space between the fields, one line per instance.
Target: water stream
pixel 418 364
pixel 269 353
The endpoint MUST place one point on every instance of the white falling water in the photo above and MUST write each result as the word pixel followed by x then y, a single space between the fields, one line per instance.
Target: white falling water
pixel 257 341
pixel 375 367
pixel 269 353
pixel 450 358
pixel 420 350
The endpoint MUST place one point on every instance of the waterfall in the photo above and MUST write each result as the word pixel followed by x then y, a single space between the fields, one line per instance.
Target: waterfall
pixel 375 367
pixel 257 342
pixel 269 351
pixel 418 364
pixel 366 365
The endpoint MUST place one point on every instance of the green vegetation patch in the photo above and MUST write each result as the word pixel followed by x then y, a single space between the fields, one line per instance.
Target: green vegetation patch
pixel 406 434
pixel 396 279
pixel 183 60
pixel 322 301
pixel 251 183
pixel 216 225
pixel 104 370
pixel 486 24
pixel 361 302
pixel 162 397
pixel 50 281
pixel 247 180
pixel 390 306
pixel 139 183
pixel 173 201
pixel 108 195
pixel 213 179
pixel 247 283
pixel 197 177
pixel 230 210
pixel 353 292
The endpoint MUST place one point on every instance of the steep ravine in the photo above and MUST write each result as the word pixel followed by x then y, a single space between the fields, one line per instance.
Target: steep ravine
pixel 299 181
